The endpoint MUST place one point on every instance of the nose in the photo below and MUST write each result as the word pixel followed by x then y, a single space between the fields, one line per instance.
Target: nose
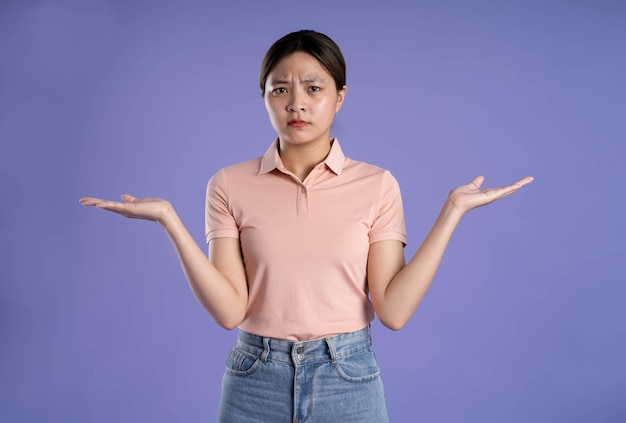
pixel 296 102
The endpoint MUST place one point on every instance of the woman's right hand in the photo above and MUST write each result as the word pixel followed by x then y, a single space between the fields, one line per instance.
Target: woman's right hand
pixel 155 209
pixel 220 284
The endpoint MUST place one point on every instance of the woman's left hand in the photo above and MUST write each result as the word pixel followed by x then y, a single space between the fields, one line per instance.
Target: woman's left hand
pixel 470 196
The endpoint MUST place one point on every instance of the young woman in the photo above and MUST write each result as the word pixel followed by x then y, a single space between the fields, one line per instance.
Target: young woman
pixel 305 245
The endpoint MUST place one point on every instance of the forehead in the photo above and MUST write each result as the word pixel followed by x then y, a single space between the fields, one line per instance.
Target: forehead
pixel 300 64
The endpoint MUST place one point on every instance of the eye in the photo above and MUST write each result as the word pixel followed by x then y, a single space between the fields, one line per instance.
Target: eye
pixel 279 90
pixel 314 88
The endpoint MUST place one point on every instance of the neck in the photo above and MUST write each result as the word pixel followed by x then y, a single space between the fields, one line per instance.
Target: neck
pixel 301 159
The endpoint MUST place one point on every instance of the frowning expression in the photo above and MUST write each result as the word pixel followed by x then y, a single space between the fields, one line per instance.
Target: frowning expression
pixel 301 99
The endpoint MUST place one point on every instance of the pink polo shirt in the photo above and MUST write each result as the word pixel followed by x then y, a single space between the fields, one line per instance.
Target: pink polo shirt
pixel 305 243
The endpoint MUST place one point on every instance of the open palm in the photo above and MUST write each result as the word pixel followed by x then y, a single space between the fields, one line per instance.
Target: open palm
pixel 470 196
pixel 135 208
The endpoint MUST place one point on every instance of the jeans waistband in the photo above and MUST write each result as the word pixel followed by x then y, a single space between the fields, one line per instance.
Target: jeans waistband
pixel 330 348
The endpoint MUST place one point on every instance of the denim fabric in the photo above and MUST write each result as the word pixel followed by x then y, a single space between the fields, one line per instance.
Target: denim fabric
pixel 335 379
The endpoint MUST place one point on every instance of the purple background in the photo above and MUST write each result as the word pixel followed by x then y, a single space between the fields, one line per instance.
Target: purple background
pixel 525 321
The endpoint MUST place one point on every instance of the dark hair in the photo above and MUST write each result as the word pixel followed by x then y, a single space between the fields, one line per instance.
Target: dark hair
pixel 318 45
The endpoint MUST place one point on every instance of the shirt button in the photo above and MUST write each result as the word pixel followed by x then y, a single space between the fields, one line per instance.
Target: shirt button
pixel 303 190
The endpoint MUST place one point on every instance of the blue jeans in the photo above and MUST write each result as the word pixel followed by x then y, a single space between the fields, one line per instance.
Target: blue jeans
pixel 335 379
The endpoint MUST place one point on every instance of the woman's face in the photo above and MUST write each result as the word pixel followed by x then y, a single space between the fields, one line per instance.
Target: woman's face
pixel 301 99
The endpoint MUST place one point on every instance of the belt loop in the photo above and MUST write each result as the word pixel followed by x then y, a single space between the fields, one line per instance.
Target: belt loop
pixel 331 348
pixel 266 349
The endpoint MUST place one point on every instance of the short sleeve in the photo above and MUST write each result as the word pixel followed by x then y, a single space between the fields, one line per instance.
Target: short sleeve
pixel 219 220
pixel 389 221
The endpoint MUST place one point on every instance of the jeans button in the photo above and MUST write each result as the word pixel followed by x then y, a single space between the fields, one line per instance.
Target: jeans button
pixel 300 351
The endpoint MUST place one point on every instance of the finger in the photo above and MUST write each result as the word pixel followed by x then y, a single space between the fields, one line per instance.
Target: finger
pixel 90 201
pixel 115 206
pixel 509 192
pixel 524 181
pixel 519 184
pixel 478 181
pixel 510 189
pixel 128 198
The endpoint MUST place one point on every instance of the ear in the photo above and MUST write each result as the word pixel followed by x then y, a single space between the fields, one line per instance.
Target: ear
pixel 341 95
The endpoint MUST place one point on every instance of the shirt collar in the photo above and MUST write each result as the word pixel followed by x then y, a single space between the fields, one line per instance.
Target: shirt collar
pixel 271 159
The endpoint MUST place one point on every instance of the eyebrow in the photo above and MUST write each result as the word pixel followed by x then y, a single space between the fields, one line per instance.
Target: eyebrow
pixel 307 80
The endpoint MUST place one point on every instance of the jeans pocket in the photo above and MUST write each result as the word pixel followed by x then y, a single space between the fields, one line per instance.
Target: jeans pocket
pixel 358 368
pixel 242 363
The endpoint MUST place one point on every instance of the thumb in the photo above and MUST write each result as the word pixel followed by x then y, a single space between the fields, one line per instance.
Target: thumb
pixel 478 181
pixel 128 198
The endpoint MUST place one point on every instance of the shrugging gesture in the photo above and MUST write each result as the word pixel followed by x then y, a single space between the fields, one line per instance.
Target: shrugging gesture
pixel 303 85
pixel 396 289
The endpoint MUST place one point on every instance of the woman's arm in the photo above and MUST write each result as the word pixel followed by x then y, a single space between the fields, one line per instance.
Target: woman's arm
pixel 397 289
pixel 219 284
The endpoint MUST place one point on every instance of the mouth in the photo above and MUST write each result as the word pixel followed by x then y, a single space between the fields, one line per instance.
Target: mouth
pixel 297 123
